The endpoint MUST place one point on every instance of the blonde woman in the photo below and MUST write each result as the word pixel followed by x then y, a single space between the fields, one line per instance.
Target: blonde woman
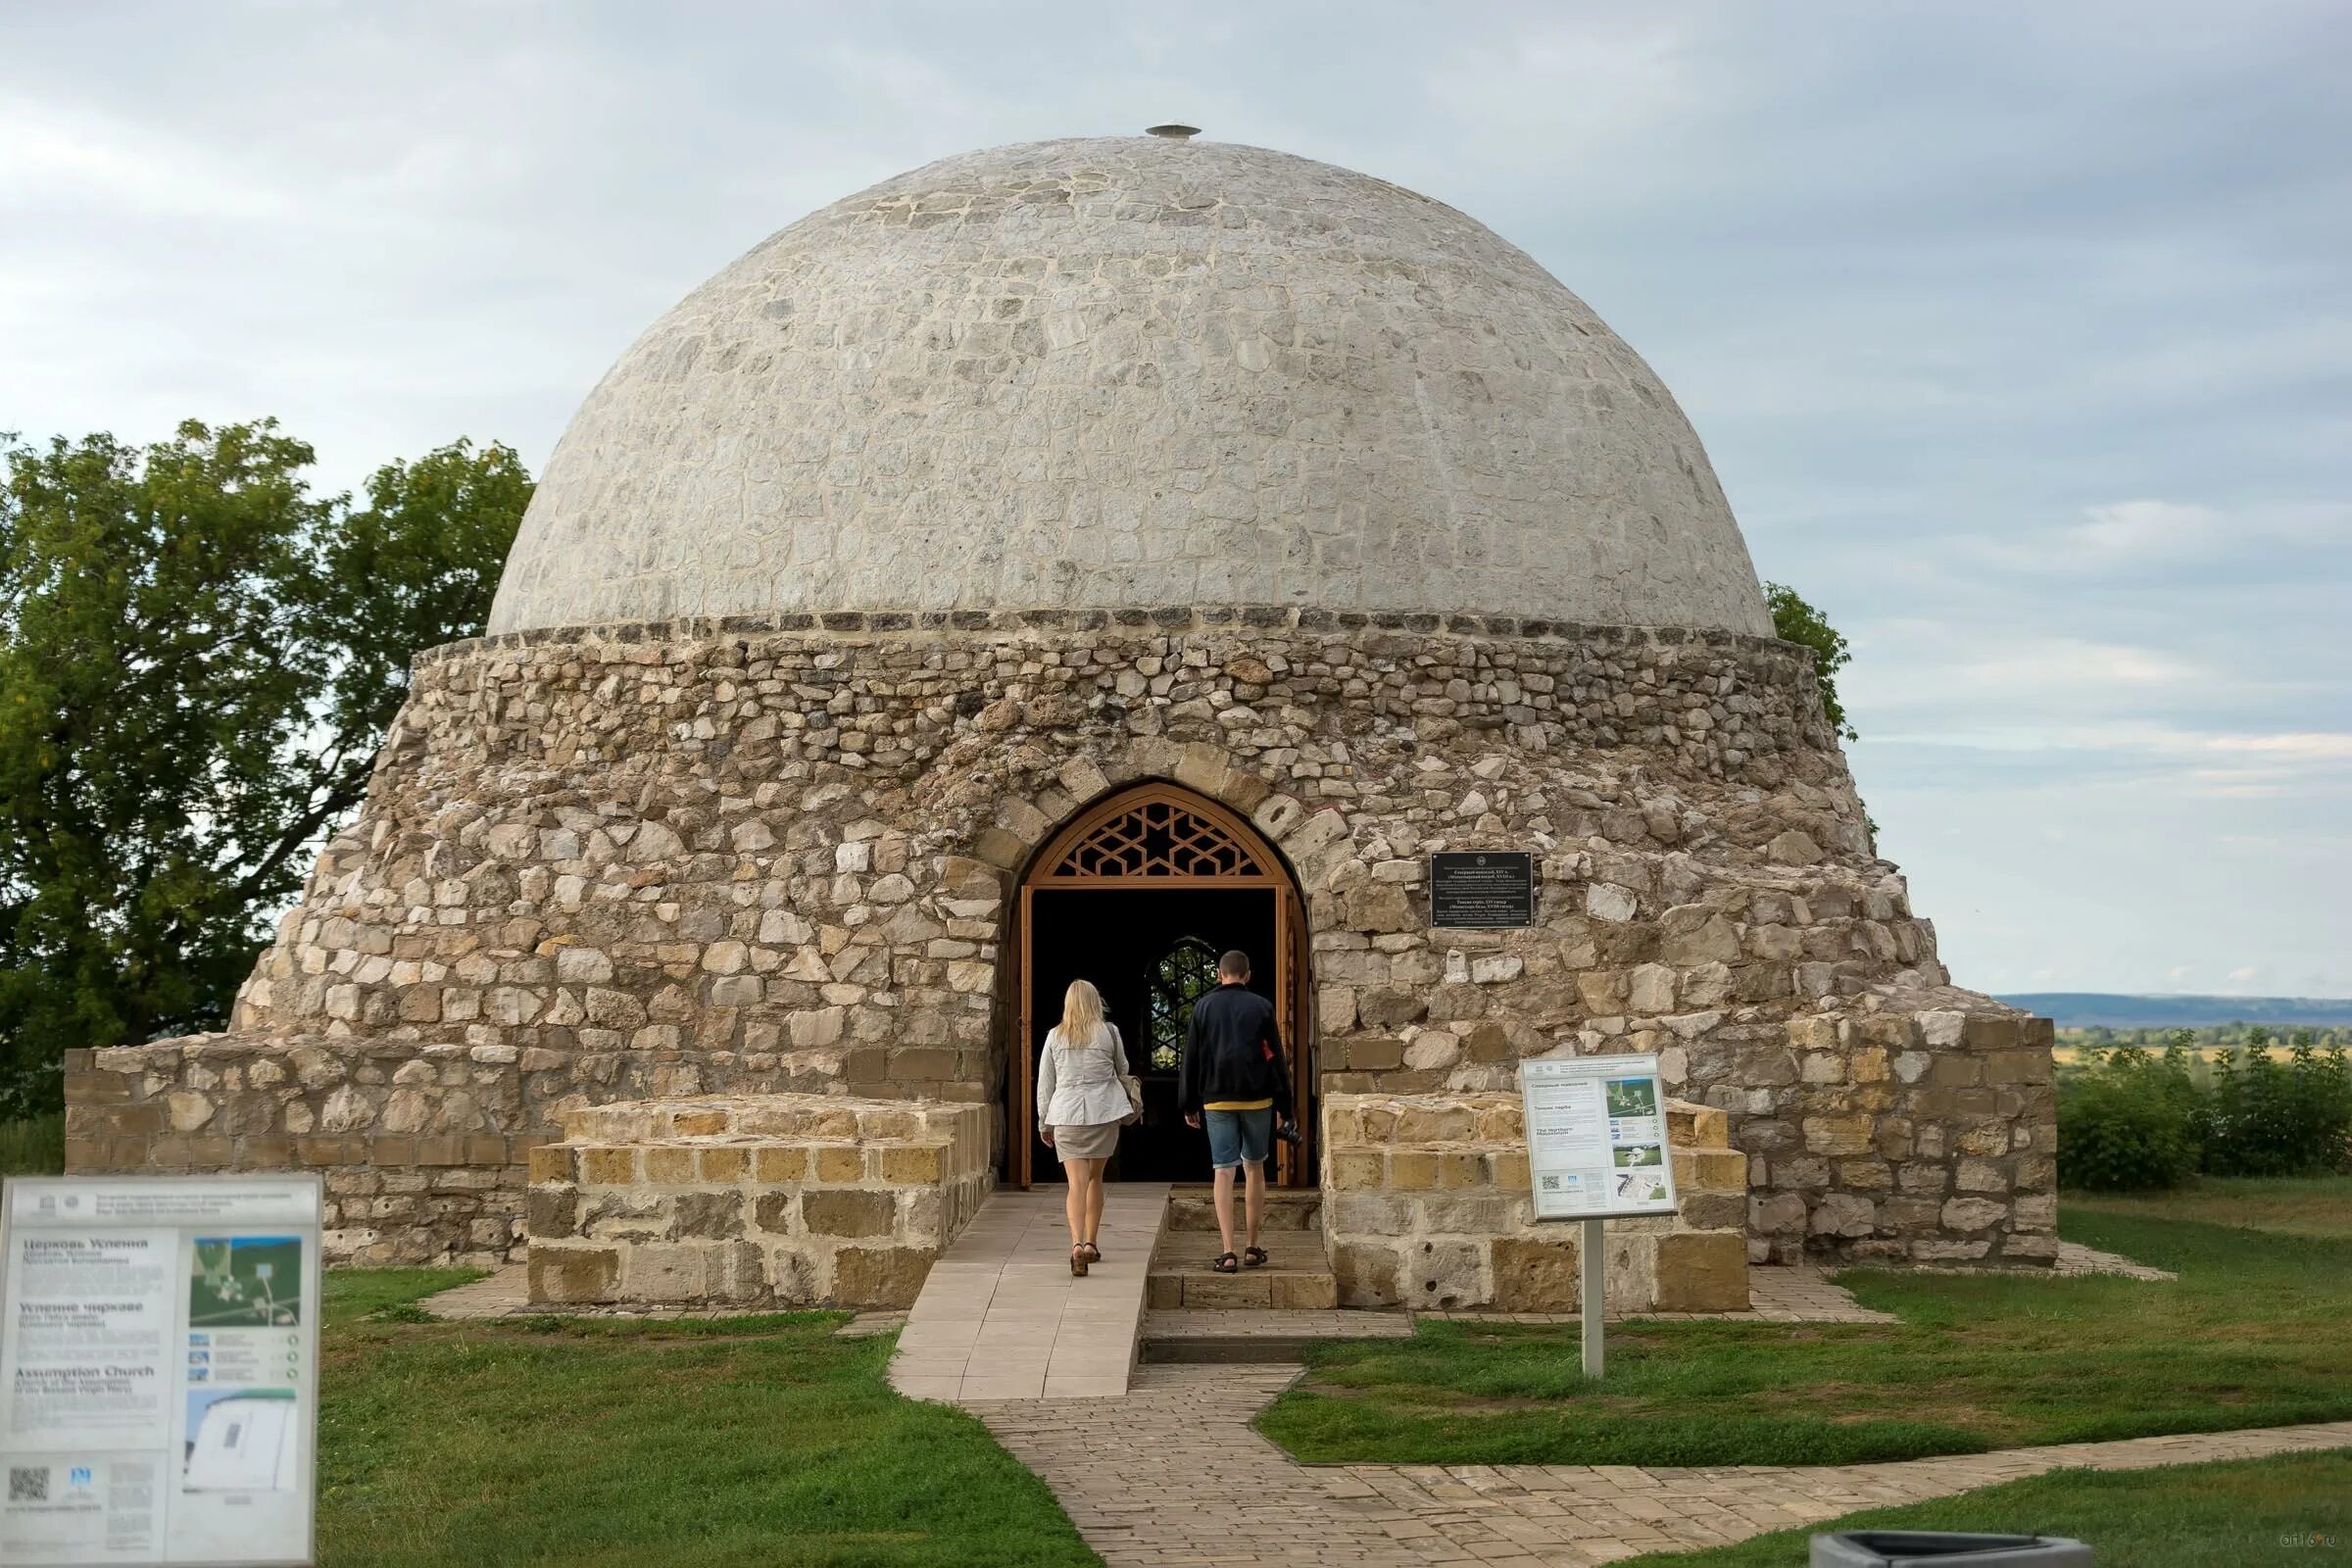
pixel 1082 1097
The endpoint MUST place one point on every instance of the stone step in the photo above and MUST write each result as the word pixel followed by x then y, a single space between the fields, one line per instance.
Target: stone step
pixel 1192 1207
pixel 1242 1338
pixel 1297 1276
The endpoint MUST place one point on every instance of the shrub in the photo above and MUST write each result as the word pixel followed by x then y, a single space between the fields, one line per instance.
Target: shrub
pixel 2266 1117
pixel 2129 1122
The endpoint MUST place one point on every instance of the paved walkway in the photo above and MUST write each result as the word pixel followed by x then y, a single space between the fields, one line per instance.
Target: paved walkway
pixel 1173 1476
pixel 1000 1315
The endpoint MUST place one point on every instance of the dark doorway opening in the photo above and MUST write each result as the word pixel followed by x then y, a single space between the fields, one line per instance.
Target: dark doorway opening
pixel 1138 893
pixel 1146 950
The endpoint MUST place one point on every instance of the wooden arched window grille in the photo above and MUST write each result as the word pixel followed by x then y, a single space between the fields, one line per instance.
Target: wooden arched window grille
pixel 1154 836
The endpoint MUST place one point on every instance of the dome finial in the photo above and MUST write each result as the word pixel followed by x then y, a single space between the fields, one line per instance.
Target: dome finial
pixel 1173 133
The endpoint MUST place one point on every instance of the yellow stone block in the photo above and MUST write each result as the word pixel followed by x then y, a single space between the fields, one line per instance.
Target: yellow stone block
pixel 725 1165
pixel 912 1162
pixel 1412 1170
pixel 1702 1271
pixel 1720 1171
pixel 552 1162
pixel 669 1166
pixel 780 1162
pixel 1510 1173
pixel 608 1166
pixel 1356 1169
pixel 838 1162
pixel 699 1123
pixel 1461 1170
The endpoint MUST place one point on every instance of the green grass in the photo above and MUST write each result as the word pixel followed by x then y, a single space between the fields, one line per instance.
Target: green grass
pixel 34 1146
pixel 2289 1510
pixel 2308 1205
pixel 2255 1333
pixel 599 1443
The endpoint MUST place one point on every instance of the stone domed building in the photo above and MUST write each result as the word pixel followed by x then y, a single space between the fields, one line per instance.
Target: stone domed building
pixel 1072 558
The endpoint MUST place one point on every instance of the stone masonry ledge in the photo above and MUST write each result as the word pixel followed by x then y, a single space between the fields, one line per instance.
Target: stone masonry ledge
pixel 752 1201
pixel 1428 1204
pixel 833 625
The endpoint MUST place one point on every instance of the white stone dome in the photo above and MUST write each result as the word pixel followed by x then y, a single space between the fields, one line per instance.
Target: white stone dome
pixel 1131 372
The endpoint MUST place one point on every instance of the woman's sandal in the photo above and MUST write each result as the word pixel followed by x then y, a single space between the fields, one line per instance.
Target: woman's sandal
pixel 1094 1254
pixel 1253 1257
pixel 1226 1263
pixel 1078 1260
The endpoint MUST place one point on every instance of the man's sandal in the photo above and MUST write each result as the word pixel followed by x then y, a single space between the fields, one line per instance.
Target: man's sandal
pixel 1253 1257
pixel 1226 1263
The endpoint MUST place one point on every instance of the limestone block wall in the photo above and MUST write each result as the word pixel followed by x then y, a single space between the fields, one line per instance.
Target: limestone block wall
pixel 1426 1204
pixel 778 857
pixel 781 1200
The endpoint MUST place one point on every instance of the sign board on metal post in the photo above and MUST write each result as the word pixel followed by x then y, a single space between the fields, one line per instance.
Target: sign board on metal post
pixel 1596 1149
pixel 159 1369
pixel 1482 888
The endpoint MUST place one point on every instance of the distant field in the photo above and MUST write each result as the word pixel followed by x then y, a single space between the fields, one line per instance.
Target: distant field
pixel 2122 1011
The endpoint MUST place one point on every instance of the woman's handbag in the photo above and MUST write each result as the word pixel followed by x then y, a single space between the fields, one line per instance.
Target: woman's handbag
pixel 1135 1099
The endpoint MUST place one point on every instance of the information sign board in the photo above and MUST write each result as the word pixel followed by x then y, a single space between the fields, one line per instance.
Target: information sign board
pixel 159 1369
pixel 1482 888
pixel 1597 1144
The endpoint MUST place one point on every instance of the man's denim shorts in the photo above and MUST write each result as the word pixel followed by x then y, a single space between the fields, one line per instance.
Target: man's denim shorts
pixel 1239 1137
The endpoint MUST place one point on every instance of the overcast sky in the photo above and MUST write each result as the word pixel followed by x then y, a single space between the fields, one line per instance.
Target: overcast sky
pixel 2021 335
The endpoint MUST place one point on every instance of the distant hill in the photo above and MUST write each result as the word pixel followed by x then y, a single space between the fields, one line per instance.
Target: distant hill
pixel 2084 1010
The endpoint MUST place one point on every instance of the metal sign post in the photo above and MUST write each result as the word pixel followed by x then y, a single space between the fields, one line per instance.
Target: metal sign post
pixel 1596 1149
pixel 1593 1301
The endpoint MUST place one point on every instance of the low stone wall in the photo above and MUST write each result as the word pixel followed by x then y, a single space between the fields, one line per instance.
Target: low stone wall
pixel 1427 1204
pixel 779 1200
pixel 421 1145
pixel 1919 1126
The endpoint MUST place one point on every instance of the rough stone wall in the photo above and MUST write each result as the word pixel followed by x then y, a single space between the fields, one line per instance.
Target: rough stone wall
pixel 776 858
pixel 1426 1204
pixel 782 1200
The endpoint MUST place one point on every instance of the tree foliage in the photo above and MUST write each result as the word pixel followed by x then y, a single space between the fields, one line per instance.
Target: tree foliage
pixel 2135 1119
pixel 198 658
pixel 1796 622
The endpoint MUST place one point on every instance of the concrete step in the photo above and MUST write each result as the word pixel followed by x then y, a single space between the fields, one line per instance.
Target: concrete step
pixel 1297 1276
pixel 1240 1337
pixel 1192 1207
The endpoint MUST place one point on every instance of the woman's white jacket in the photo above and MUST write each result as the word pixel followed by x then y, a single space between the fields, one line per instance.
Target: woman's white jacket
pixel 1079 1086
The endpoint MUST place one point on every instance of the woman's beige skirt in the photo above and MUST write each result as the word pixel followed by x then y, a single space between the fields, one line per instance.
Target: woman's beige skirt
pixel 1098 1141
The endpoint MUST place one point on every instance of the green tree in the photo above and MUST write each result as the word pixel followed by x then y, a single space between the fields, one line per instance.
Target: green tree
pixel 198 659
pixel 1797 621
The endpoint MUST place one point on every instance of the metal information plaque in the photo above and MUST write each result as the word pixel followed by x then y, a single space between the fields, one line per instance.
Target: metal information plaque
pixel 1482 888
pixel 159 1369
pixel 1596 1137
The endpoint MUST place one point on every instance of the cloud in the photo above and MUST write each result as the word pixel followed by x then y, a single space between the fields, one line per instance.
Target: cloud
pixel 2016 338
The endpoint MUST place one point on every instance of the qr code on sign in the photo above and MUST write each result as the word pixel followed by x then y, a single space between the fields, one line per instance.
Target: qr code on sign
pixel 28 1483
pixel 1551 1184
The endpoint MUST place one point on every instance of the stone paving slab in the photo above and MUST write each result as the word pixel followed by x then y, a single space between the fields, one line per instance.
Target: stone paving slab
pixel 1000 1316
pixel 1174 1476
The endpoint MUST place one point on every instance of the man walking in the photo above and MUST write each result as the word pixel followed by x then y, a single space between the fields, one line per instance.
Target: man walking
pixel 1234 1079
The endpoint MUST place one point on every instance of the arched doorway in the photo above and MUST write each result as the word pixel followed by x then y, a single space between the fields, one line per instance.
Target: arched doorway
pixel 1139 893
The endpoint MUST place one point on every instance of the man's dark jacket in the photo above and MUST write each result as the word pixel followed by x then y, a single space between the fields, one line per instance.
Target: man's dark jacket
pixel 1233 1051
